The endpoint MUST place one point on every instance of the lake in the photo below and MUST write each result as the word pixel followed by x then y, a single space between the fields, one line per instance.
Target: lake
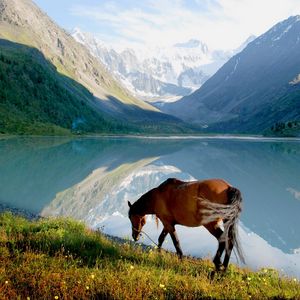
pixel 91 179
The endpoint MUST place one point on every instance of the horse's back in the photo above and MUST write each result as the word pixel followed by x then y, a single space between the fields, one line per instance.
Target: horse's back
pixel 170 182
pixel 214 190
pixel 182 200
pixel 208 188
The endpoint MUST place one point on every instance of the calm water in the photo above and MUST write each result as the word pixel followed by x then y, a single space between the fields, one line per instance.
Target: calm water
pixel 92 179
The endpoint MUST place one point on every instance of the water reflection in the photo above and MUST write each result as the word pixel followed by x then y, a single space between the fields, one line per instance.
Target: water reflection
pixel 92 179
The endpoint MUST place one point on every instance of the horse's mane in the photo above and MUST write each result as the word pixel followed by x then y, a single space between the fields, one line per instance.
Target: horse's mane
pixel 142 204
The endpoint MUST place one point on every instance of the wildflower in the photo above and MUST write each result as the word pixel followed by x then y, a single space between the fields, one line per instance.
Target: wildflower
pixel 265 270
pixel 6 282
pixel 28 298
pixel 92 276
pixel 248 278
pixel 87 287
pixel 55 297
pixel 161 285
pixel 131 267
pixel 295 279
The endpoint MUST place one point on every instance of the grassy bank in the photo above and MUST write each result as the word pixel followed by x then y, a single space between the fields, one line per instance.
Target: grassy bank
pixel 62 259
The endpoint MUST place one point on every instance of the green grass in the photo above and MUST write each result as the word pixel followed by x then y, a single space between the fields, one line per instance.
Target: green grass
pixel 62 259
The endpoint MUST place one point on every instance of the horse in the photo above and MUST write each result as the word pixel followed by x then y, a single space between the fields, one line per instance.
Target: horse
pixel 208 202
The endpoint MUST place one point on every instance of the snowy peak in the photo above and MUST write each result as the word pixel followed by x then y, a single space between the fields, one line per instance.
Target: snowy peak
pixel 78 34
pixel 158 74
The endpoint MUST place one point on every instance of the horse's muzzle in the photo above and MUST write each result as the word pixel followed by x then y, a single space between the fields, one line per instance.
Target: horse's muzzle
pixel 136 237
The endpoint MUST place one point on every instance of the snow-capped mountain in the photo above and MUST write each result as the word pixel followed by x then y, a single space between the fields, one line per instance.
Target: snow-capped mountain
pixel 158 74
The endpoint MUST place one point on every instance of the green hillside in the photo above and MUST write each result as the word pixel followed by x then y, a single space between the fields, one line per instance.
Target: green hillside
pixel 62 259
pixel 36 99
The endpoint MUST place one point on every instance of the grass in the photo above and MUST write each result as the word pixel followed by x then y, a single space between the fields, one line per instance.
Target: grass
pixel 62 259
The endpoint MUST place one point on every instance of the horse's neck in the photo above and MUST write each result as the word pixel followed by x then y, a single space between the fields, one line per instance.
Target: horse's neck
pixel 145 205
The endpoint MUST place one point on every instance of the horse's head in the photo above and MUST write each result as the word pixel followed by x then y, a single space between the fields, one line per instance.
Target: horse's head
pixel 137 222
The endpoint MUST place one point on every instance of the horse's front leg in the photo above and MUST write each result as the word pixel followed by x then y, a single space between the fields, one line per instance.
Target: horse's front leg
pixel 176 242
pixel 162 238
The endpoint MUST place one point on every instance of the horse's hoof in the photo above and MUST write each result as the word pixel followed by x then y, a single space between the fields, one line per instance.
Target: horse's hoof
pixel 218 267
pixel 212 275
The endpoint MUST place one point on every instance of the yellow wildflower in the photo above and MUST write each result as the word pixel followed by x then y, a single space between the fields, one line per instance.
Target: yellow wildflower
pixel 55 297
pixel 93 276
pixel 87 287
pixel 6 282
pixel 131 267
pixel 161 285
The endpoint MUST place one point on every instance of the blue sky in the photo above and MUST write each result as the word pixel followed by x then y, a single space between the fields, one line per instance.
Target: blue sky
pixel 222 24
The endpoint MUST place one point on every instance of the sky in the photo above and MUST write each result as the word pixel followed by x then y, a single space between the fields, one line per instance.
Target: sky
pixel 221 24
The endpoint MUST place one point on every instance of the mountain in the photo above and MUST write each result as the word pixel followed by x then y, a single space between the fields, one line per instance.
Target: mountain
pixel 36 99
pixel 255 89
pixel 159 74
pixel 22 22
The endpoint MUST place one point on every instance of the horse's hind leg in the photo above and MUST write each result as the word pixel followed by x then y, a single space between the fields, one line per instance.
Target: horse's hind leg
pixel 228 249
pixel 217 232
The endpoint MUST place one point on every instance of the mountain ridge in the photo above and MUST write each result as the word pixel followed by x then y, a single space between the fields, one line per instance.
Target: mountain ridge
pixel 159 74
pixel 252 83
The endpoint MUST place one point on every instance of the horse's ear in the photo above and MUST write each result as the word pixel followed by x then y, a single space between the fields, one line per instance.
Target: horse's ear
pixel 129 204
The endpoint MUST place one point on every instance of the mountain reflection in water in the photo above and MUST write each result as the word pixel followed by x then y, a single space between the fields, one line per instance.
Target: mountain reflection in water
pixel 91 180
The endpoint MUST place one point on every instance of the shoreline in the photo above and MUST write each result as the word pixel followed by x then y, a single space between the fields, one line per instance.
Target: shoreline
pixel 237 137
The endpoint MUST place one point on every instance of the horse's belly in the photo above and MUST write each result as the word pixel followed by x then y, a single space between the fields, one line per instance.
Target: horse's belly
pixel 190 222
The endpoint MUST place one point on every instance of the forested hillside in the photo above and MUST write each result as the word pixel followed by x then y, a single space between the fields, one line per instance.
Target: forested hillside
pixel 35 99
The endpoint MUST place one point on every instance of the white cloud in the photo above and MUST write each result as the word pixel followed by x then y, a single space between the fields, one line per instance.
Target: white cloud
pixel 294 192
pixel 222 24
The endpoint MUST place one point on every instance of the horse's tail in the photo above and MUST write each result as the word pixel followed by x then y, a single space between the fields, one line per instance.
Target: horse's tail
pixel 231 223
pixel 229 213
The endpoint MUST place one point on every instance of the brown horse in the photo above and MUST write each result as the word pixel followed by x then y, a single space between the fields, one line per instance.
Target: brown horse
pixel 196 203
